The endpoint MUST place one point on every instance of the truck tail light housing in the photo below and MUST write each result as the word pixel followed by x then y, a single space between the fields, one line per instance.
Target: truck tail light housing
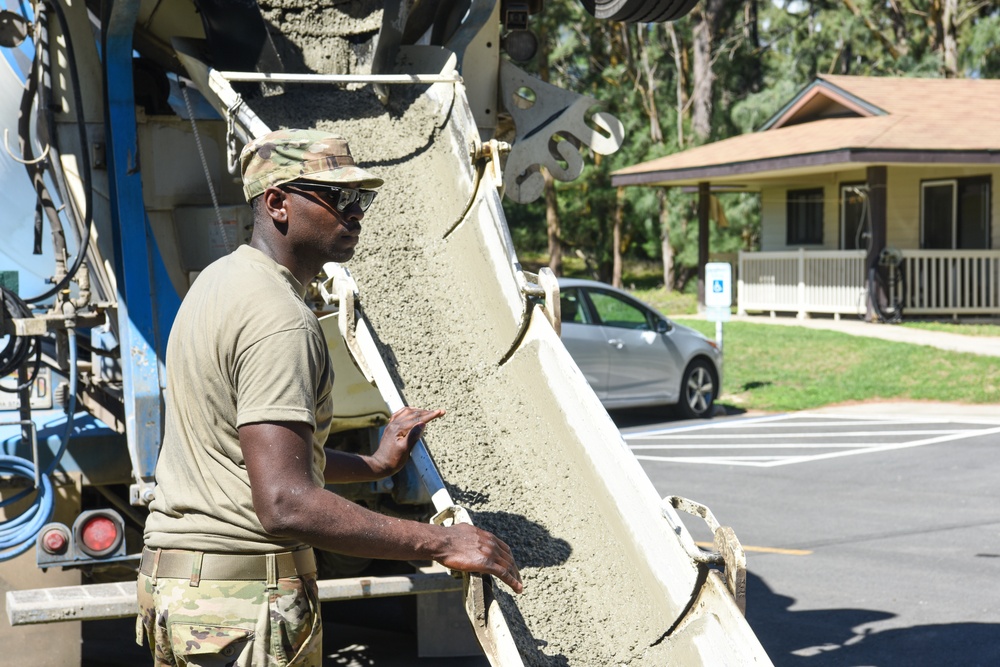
pixel 98 533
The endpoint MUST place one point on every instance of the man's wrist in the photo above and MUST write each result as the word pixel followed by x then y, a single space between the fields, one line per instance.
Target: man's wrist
pixel 377 465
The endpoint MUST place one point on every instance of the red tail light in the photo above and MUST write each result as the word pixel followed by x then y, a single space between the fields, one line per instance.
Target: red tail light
pixel 98 532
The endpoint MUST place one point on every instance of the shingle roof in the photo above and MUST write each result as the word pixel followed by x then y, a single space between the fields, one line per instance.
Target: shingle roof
pixel 920 115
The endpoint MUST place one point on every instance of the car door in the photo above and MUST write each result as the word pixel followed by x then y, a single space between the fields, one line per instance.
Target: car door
pixel 584 339
pixel 644 367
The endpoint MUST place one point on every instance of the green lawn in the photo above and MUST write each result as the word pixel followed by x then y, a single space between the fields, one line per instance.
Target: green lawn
pixel 777 368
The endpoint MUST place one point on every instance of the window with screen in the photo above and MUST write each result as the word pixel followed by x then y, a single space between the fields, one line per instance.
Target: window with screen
pixel 805 217
pixel 955 214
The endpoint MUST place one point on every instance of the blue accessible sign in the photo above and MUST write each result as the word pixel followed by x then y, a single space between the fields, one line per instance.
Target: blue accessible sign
pixel 719 280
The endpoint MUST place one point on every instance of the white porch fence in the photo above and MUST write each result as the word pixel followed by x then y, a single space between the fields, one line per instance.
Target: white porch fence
pixel 802 281
pixel 958 282
pixel 935 282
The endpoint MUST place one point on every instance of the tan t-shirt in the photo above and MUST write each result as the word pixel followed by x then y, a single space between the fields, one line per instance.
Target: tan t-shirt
pixel 243 349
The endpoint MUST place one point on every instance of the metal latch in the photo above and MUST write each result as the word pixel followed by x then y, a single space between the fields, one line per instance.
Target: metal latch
pixel 481 606
pixel 544 285
pixel 341 290
pixel 492 151
pixel 728 551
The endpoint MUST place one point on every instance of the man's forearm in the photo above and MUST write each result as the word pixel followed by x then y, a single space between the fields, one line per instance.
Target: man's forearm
pixel 347 467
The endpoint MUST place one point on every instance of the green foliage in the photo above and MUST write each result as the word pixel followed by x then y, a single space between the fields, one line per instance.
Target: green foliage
pixel 981 55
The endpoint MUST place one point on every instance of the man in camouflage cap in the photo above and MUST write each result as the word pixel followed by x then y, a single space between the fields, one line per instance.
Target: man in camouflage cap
pixel 228 569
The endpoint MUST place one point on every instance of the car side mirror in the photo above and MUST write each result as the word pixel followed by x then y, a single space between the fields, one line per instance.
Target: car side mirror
pixel 662 326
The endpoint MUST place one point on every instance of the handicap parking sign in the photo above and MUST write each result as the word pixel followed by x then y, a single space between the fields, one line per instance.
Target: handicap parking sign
pixel 719 278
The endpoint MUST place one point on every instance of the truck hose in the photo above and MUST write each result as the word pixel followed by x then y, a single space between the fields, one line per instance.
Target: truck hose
pixel 18 534
pixel 18 349
pixel 84 157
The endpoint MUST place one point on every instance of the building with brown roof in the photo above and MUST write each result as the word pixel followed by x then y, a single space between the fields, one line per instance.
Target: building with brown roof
pixel 864 182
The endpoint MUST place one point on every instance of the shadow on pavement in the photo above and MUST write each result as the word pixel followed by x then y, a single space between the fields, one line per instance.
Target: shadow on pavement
pixel 625 418
pixel 838 638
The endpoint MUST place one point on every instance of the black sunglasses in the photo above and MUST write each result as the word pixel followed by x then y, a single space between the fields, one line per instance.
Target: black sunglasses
pixel 339 198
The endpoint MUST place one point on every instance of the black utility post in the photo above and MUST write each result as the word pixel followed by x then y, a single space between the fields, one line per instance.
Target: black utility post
pixel 877 210
pixel 704 202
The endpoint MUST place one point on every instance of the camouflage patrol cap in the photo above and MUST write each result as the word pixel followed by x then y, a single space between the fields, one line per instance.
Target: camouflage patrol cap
pixel 289 155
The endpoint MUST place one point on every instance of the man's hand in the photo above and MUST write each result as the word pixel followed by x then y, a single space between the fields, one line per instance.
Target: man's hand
pixel 398 438
pixel 471 549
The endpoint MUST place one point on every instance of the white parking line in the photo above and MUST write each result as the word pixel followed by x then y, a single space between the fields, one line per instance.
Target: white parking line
pixel 771 436
pixel 785 445
pixel 674 439
pixel 707 425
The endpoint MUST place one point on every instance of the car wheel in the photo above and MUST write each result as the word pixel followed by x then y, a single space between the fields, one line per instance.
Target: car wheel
pixel 639 11
pixel 698 390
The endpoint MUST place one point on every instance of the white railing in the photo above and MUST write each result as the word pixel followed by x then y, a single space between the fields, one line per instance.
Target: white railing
pixel 951 282
pixel 935 282
pixel 802 281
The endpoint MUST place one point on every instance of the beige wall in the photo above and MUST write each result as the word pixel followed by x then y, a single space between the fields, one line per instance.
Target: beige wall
pixel 902 204
pixel 773 208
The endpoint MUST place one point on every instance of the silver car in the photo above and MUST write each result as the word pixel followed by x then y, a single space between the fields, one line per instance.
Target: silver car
pixel 632 356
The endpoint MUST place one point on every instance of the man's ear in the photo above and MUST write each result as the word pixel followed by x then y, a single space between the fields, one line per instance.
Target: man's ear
pixel 275 201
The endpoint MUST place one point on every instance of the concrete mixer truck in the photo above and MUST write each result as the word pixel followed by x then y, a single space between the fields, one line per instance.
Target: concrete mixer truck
pixel 122 123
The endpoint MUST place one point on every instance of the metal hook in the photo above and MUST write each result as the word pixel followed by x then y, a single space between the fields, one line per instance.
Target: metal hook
pixel 45 153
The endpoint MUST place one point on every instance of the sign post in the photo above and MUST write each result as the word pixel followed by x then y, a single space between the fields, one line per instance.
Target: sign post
pixel 718 295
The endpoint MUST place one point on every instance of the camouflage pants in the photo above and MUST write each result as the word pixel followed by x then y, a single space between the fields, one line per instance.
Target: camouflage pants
pixel 230 623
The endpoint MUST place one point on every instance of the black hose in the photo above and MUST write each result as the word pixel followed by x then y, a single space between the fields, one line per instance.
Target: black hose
pixel 891 286
pixel 18 349
pixel 84 157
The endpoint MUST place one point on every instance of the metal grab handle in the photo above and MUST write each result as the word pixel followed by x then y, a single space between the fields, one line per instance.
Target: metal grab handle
pixel 481 606
pixel 617 342
pixel 728 551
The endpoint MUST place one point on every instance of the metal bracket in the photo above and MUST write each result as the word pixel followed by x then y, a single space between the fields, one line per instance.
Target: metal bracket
pixel 728 551
pixel 544 285
pixel 492 151
pixel 142 493
pixel 341 289
pixel 481 605
pixel 551 125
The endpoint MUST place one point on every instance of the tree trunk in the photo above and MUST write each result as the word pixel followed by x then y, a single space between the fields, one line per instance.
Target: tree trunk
pixel 703 77
pixel 553 227
pixel 950 46
pixel 616 239
pixel 666 249
pixel 648 91
pixel 898 15
pixel 679 77
pixel 751 18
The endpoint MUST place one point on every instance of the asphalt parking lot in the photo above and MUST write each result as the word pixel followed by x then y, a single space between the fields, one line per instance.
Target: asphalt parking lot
pixel 872 532
pixel 796 438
